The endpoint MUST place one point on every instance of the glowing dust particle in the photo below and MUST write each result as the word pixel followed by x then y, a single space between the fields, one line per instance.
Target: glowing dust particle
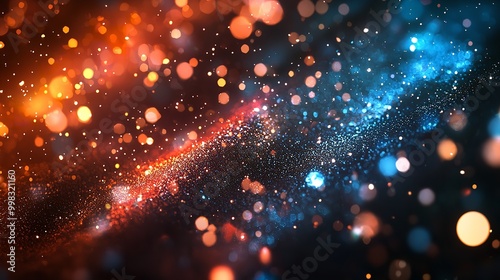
pixel 473 228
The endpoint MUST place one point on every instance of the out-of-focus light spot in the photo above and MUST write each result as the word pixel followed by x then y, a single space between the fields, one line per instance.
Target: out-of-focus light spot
pixel 38 141
pixel 223 98
pixel 387 166
pixel 88 73
pixel 343 9
pixel 412 48
pixel 209 238
pixel 2 45
pixel 176 33
pixel 221 82
pixel 221 71
pixel 336 66
pixel 51 61
pixel 457 120
pixel 258 207
pixel 4 130
pixel 426 197
pixel 447 149
pixel 65 30
pixel 306 8
pixel 402 164
pixel 84 114
pixel 56 121
pixel 399 270
pixel 296 99
pixel 494 126
pixel 367 192
pixel 201 223
pixel 491 152
pixel 247 215
pixel 241 27
pixel 152 115
pixel 192 135
pixel 61 88
pixel 419 240
pixel 245 48
pixel 310 81
pixel 221 272
pixel 265 256
pixel 153 77
pixel 72 43
pixel 466 23
pixel 315 180
pixel 495 244
pixel 366 225
pixel 473 228
pixel 184 70
pixel 260 69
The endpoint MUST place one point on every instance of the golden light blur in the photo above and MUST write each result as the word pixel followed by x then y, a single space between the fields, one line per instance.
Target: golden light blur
pixel 84 114
pixel 152 115
pixel 447 149
pixel 72 43
pixel 4 130
pixel 61 88
pixel 473 228
pixel 56 121
pixel 221 272
pixel 241 27
pixel 201 223
pixel 88 73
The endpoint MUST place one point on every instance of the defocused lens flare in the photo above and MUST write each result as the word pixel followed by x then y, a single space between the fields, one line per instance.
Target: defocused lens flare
pixel 473 228
pixel 56 121
pixel 491 152
pixel 447 149
pixel 4 130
